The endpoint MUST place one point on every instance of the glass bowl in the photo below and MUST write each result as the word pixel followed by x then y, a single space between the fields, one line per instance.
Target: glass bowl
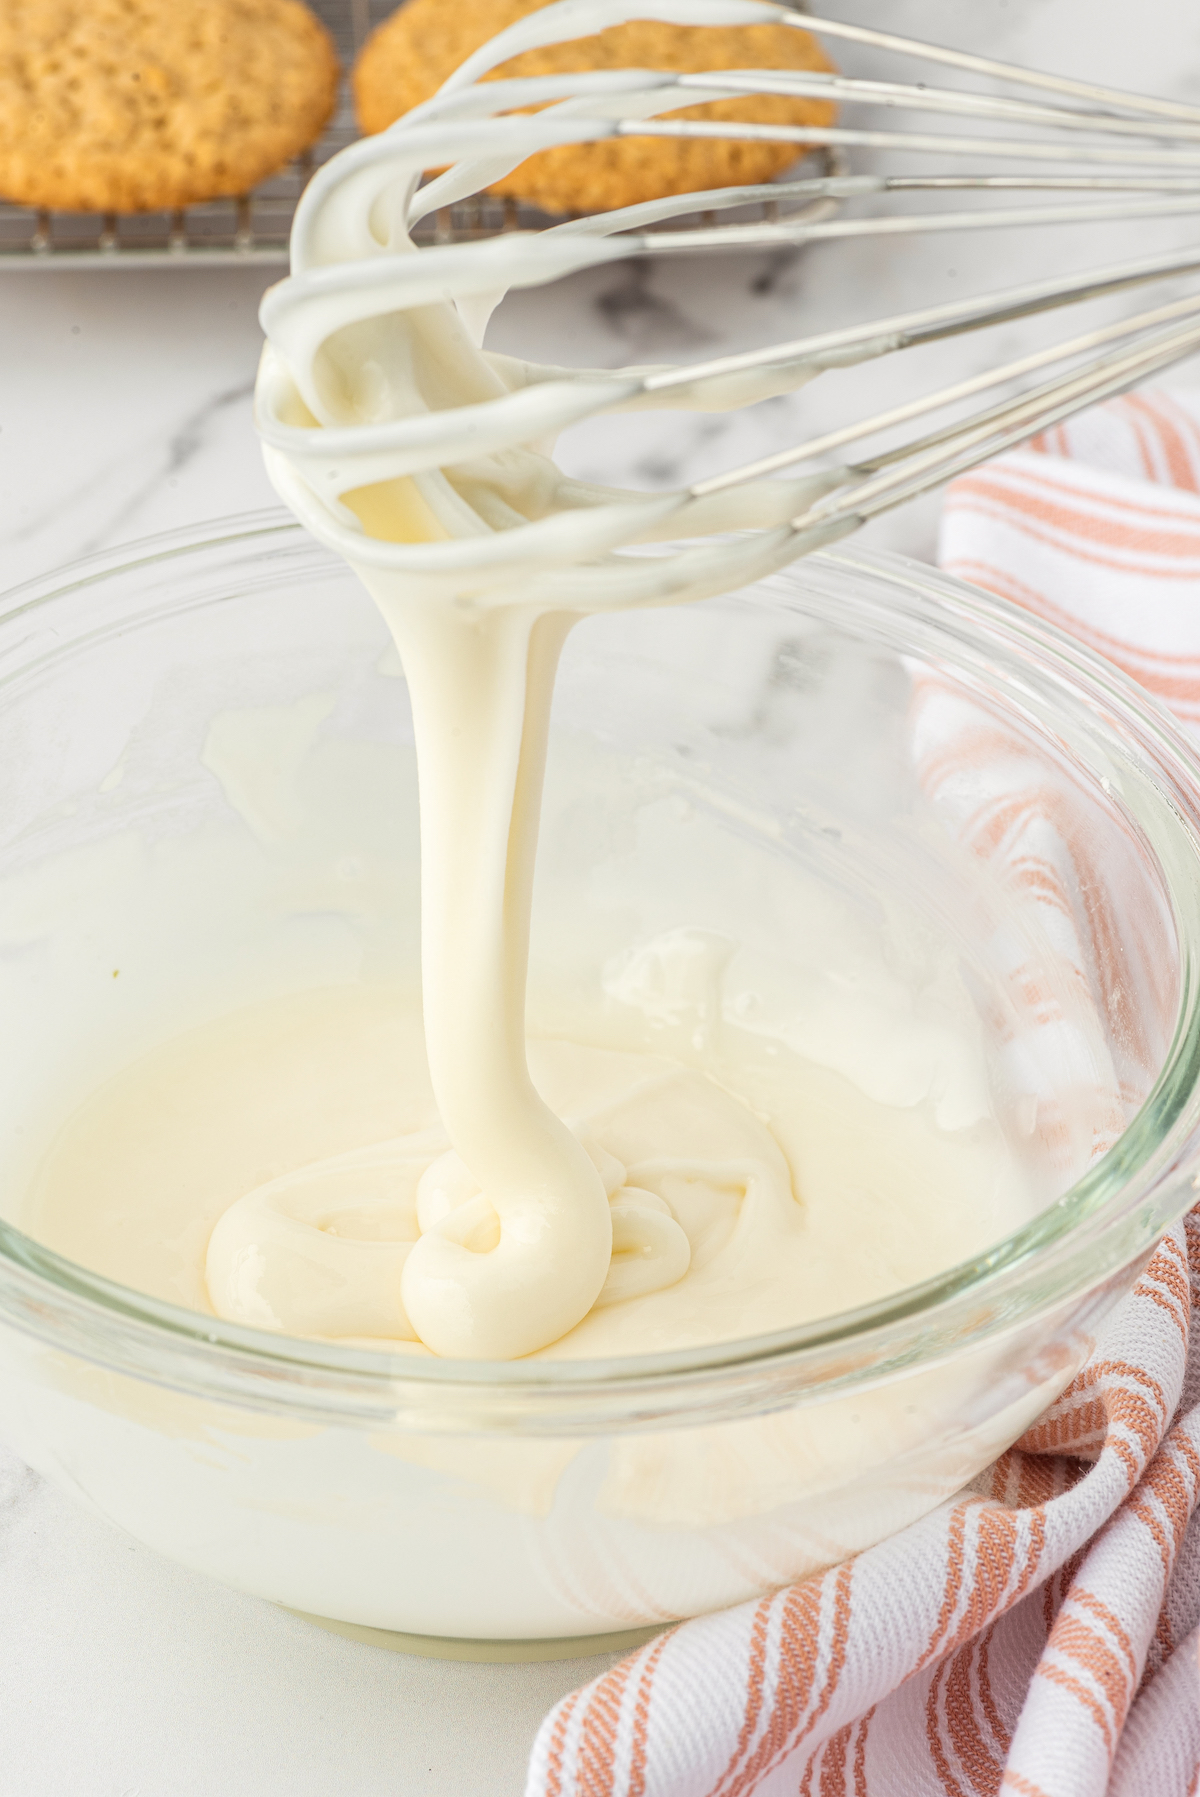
pixel 556 1505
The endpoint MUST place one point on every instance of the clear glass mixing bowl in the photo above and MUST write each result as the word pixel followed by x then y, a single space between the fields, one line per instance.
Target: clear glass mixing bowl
pixel 547 1501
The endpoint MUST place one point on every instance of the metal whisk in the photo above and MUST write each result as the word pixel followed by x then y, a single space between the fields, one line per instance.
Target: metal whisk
pixel 1074 153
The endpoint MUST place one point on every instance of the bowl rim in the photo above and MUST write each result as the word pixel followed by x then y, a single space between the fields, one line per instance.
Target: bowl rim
pixel 1108 1221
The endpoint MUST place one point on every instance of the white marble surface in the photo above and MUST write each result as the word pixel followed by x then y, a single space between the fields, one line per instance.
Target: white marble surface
pixel 124 409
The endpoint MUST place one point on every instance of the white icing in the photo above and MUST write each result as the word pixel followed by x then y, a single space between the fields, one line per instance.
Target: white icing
pixel 281 1218
pixel 424 460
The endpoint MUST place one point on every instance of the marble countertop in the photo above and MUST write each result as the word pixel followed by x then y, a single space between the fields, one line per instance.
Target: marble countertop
pixel 125 410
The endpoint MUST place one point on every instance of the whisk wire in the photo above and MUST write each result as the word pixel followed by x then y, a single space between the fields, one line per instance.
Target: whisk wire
pixel 950 453
pixel 818 84
pixel 1093 92
pixel 920 143
pixel 939 400
pixel 930 324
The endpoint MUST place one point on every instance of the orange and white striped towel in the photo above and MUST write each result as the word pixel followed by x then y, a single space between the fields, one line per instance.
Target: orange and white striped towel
pixel 1039 1635
pixel 1096 527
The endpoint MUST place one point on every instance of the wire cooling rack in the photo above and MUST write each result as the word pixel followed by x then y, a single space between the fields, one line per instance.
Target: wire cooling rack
pixel 253 227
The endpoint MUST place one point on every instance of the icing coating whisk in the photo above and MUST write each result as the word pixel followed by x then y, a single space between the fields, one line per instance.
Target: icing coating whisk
pixel 405 444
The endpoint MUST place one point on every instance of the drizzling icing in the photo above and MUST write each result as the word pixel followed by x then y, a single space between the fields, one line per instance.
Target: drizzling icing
pixel 424 460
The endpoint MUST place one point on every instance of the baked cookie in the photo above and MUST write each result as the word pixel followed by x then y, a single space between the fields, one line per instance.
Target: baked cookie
pixel 409 56
pixel 139 105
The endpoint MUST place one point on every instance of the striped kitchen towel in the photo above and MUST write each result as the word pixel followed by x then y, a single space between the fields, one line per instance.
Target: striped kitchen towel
pixel 1040 1634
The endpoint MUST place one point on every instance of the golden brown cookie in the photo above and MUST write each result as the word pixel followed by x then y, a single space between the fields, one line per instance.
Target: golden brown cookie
pixel 137 105
pixel 409 56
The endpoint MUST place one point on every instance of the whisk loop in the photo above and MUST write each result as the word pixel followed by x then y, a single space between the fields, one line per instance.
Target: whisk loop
pixel 1032 149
